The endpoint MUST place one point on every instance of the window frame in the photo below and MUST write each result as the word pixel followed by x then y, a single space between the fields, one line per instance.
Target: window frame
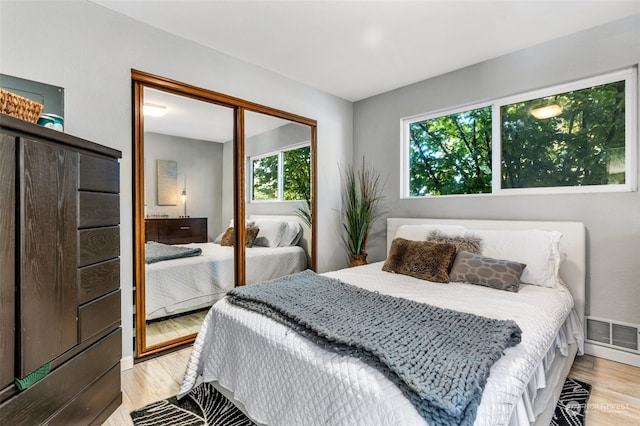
pixel 628 75
pixel 280 153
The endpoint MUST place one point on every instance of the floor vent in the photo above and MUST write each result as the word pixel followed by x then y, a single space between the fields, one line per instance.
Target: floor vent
pixel 613 334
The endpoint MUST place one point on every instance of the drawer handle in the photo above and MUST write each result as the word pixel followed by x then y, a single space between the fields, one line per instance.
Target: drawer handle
pixel 184 228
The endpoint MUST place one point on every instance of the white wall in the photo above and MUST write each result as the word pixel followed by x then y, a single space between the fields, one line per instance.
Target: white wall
pixel 612 219
pixel 200 166
pixel 90 51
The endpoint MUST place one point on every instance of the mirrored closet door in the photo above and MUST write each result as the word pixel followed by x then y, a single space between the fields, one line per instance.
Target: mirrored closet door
pixel 278 185
pixel 210 171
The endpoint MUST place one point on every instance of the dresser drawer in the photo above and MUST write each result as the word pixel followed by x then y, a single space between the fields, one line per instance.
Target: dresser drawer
pixel 99 315
pixel 151 230
pixel 43 399
pixel 97 245
pixel 98 174
pixel 191 229
pixel 98 279
pixel 98 209
pixel 178 231
pixel 81 410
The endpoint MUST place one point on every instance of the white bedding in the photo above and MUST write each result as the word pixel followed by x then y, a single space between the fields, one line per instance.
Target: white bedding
pixel 181 285
pixel 253 356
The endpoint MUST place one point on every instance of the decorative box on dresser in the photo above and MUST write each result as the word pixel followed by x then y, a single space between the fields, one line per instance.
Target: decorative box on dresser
pixel 60 277
pixel 176 231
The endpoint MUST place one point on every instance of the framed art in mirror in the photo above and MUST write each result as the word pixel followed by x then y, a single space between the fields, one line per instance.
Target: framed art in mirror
pixel 167 182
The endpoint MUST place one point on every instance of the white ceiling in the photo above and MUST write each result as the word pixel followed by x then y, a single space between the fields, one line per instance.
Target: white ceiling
pixel 193 119
pixel 356 49
pixel 189 118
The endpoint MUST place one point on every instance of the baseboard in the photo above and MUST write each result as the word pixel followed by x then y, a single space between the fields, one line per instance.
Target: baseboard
pixel 612 354
pixel 126 363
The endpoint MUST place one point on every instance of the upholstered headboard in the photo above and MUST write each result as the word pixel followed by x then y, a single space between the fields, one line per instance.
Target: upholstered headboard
pixel 572 244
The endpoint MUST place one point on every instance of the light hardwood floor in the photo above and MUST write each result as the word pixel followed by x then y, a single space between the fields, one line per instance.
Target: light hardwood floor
pixel 149 381
pixel 173 328
pixel 614 400
pixel 615 391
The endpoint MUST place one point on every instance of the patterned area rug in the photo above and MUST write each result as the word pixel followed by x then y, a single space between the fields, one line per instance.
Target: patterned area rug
pixel 572 405
pixel 204 405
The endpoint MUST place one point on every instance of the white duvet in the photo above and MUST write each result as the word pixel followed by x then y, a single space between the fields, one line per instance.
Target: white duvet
pixel 180 285
pixel 283 379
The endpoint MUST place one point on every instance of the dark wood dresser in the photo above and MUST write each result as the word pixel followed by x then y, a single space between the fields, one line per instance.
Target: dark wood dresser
pixel 59 277
pixel 176 231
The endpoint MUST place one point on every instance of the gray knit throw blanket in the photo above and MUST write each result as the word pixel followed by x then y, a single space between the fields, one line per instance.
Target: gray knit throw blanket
pixel 439 358
pixel 157 252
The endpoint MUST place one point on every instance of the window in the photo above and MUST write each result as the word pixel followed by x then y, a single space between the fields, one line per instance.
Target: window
pixel 451 154
pixel 578 141
pixel 296 174
pixel 282 176
pixel 265 177
pixel 574 138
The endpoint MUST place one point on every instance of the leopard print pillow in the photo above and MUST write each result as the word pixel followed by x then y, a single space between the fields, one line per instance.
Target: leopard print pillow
pixel 468 242
pixel 229 237
pixel 426 260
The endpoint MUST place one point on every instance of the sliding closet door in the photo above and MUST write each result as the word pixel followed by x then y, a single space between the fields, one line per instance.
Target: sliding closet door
pixel 278 178
pixel 188 181
pixel 210 183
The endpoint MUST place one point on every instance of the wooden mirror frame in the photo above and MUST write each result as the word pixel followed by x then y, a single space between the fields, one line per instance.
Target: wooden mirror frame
pixel 140 80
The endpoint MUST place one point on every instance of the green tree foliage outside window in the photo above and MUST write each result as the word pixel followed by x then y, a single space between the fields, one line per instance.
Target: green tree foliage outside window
pixel 297 173
pixel 584 145
pixel 581 144
pixel 451 154
pixel 265 178
pixel 292 185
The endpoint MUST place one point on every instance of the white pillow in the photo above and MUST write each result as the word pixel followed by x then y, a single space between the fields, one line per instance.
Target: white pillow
pixel 277 233
pixel 218 239
pixel 271 233
pixel 539 250
pixel 421 232
pixel 291 234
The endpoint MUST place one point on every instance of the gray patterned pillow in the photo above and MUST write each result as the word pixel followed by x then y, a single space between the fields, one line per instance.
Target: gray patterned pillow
pixel 480 270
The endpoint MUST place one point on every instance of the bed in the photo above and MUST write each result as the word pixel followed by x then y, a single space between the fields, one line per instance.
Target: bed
pixel 186 284
pixel 278 377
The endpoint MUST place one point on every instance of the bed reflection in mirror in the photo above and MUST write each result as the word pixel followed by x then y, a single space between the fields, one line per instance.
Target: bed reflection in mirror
pixel 185 273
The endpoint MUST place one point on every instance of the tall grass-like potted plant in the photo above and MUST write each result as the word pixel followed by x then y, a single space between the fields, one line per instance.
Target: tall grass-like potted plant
pixel 304 212
pixel 362 193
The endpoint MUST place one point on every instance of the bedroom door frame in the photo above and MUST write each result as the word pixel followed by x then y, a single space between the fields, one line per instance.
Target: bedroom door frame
pixel 141 80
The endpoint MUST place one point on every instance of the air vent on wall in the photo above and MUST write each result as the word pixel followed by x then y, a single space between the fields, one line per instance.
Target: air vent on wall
pixel 615 335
